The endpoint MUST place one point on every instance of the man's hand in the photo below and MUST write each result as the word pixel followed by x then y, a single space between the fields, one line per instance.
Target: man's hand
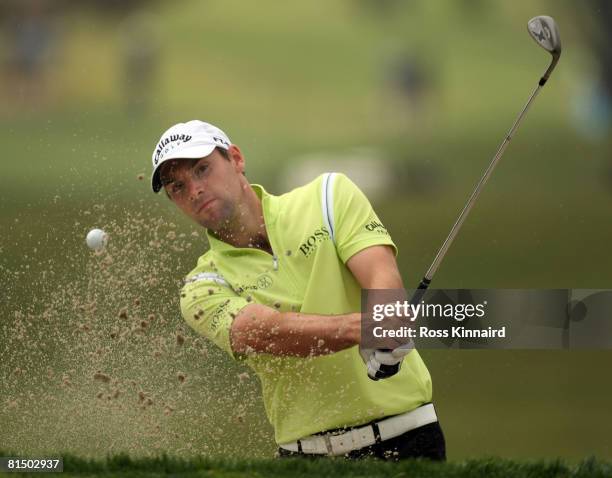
pixel 383 363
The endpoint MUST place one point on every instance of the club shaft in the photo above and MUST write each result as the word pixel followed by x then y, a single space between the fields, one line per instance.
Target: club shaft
pixel 555 50
pixel 424 284
pixel 468 207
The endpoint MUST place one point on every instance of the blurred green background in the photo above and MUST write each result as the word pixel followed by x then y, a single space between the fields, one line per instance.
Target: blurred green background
pixel 410 98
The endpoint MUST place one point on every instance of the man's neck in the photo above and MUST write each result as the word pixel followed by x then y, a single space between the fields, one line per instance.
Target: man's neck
pixel 249 230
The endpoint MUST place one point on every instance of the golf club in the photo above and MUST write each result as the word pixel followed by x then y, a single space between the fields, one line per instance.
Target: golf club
pixel 543 30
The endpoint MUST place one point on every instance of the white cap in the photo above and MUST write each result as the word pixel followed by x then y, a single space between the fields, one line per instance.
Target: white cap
pixel 194 139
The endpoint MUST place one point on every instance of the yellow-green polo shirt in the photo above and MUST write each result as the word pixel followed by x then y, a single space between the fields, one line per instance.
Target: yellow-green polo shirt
pixel 313 231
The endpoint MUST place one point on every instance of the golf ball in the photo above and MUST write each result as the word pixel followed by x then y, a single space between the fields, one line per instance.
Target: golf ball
pixel 96 239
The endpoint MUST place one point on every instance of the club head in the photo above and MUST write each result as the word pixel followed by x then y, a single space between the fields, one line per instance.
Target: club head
pixel 544 31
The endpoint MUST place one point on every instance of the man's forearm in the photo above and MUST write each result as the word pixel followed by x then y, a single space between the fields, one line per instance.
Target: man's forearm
pixel 261 329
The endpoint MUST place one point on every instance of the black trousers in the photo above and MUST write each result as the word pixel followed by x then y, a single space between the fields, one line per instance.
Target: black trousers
pixel 423 442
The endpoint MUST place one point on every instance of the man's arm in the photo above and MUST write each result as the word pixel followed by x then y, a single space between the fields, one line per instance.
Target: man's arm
pixel 259 328
pixel 375 267
pixel 263 329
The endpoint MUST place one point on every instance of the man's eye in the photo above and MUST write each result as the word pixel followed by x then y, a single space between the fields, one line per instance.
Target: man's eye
pixel 177 188
pixel 200 170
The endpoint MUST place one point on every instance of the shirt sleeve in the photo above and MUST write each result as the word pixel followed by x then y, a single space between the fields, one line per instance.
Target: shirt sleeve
pixel 209 306
pixel 356 225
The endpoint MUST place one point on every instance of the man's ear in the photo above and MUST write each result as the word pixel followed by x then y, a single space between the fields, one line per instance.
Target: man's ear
pixel 236 157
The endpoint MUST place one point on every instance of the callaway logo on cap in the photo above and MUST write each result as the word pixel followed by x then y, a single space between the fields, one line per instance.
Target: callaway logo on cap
pixel 194 139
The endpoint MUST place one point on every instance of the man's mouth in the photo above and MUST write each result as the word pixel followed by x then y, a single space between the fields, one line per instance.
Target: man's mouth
pixel 205 205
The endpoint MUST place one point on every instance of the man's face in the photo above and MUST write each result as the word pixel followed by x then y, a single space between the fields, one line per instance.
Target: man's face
pixel 208 190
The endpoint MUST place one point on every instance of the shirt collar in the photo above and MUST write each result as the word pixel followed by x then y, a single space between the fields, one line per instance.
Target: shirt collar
pixel 269 204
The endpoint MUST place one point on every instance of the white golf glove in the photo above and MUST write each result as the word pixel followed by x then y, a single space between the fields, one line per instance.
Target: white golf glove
pixel 383 363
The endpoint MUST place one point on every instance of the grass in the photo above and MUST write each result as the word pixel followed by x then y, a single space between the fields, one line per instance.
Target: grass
pixel 164 465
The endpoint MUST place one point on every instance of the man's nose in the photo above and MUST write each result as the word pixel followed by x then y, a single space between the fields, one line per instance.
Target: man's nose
pixel 195 188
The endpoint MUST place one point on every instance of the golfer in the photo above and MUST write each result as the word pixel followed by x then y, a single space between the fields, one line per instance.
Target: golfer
pixel 280 289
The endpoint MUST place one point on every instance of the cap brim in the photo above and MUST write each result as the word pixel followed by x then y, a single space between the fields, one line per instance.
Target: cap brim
pixel 187 153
